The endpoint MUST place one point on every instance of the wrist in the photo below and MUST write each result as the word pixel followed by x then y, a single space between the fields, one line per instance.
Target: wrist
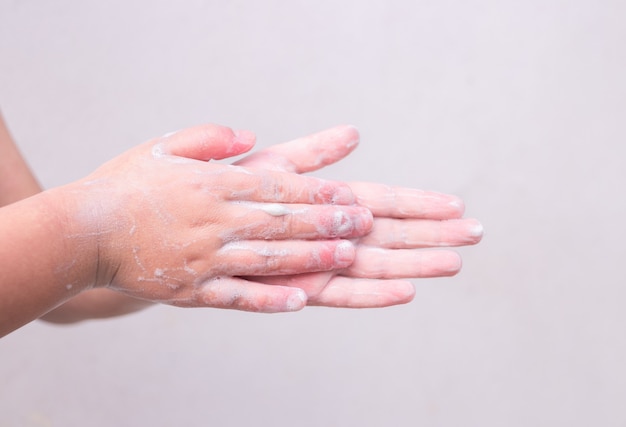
pixel 73 216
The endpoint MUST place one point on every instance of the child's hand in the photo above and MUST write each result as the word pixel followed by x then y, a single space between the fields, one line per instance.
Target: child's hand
pixel 168 226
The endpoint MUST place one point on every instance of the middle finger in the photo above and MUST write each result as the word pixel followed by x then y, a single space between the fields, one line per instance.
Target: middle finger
pixel 420 233
pixel 273 221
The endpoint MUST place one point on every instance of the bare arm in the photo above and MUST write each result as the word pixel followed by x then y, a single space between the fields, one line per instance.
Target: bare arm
pixel 17 182
pixel 34 254
pixel 421 219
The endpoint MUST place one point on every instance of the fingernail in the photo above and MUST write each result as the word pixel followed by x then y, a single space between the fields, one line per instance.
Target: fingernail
pixel 296 301
pixel 457 204
pixel 354 141
pixel 344 253
pixel 168 134
pixel 355 222
pixel 243 138
pixel 449 262
pixel 363 222
pixel 341 225
pixel 476 230
pixel 343 195
pixel 457 264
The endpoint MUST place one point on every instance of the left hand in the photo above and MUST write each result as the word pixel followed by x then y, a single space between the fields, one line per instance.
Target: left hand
pixel 408 225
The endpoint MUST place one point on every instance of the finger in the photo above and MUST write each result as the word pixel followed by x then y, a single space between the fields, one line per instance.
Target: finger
pixel 376 263
pixel 361 293
pixel 326 289
pixel 267 258
pixel 306 154
pixel 311 283
pixel 240 294
pixel 422 233
pixel 259 185
pixel 399 202
pixel 272 221
pixel 205 142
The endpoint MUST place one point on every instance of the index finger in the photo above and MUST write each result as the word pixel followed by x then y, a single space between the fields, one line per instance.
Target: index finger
pixel 306 154
pixel 260 185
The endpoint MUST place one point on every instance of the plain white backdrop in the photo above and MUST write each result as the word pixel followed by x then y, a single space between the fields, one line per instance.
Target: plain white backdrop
pixel 517 107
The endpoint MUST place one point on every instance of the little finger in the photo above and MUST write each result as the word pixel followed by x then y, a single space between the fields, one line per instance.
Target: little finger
pixel 363 293
pixel 240 294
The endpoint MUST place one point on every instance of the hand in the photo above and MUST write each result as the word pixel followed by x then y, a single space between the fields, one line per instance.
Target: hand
pixel 171 227
pixel 406 223
pixel 417 219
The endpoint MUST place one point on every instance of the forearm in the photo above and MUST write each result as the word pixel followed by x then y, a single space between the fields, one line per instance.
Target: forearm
pixel 17 182
pixel 43 265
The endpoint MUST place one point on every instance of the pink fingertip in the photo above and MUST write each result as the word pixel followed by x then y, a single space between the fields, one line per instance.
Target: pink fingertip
pixel 457 204
pixel 296 301
pixel 476 230
pixel 456 263
pixel 364 222
pixel 406 292
pixel 355 139
pixel 243 138
pixel 343 195
pixel 344 254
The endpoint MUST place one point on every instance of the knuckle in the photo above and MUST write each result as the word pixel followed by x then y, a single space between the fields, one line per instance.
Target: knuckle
pixel 340 224
pixel 272 262
pixel 287 225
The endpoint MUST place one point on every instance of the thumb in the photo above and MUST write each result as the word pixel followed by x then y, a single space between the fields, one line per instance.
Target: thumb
pixel 205 142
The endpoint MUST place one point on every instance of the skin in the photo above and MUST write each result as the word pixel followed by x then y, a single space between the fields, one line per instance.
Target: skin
pixel 163 224
pixel 406 221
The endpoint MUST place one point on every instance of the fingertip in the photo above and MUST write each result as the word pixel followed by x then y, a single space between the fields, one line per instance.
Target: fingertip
pixel 366 221
pixel 362 222
pixel 297 300
pixel 457 205
pixel 476 230
pixel 343 195
pixel 351 137
pixel 238 142
pixel 205 142
pixel 345 254
pixel 454 264
pixel 405 291
pixel 243 140
pixel 441 263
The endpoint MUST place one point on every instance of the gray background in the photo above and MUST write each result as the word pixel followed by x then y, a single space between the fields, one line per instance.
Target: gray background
pixel 519 107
